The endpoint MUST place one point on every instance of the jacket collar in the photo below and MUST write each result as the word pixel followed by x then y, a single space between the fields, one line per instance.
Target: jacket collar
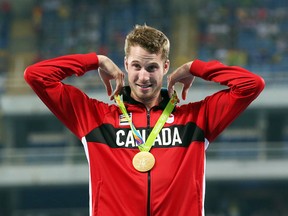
pixel 126 92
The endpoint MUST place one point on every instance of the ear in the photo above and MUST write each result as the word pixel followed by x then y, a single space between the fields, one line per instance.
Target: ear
pixel 126 63
pixel 166 66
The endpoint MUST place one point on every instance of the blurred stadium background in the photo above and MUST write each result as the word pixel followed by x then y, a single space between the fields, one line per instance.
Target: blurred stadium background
pixel 43 170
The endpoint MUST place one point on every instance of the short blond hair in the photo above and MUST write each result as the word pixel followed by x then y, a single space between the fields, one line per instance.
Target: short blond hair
pixel 149 38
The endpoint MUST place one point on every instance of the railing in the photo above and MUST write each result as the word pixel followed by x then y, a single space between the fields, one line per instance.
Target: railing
pixel 42 155
pixel 75 155
pixel 52 212
pixel 248 151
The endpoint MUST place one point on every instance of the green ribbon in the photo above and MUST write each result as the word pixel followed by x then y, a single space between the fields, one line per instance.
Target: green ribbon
pixel 157 128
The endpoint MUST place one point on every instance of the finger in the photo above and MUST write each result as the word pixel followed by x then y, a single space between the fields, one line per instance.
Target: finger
pixel 108 87
pixel 105 81
pixel 184 92
pixel 119 85
pixel 115 92
pixel 170 86
pixel 186 87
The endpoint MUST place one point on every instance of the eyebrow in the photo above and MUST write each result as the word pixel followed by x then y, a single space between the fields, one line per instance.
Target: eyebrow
pixel 135 61
pixel 150 63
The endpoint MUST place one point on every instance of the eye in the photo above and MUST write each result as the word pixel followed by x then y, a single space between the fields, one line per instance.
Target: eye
pixel 152 68
pixel 136 66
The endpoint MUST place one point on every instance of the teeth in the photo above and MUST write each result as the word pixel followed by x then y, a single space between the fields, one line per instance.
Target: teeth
pixel 144 86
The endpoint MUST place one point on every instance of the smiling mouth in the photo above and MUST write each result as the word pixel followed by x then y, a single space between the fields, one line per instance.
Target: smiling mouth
pixel 144 86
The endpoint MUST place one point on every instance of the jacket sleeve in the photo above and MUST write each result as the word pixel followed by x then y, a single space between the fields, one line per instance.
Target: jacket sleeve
pixel 221 108
pixel 69 104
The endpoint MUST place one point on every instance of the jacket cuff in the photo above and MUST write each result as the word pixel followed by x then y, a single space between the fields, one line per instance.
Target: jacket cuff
pixel 197 67
pixel 91 61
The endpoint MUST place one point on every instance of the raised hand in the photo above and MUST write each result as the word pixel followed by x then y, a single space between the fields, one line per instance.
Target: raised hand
pixel 108 71
pixel 181 75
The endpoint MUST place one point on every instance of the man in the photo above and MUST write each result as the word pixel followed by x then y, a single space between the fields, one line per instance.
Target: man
pixel 175 185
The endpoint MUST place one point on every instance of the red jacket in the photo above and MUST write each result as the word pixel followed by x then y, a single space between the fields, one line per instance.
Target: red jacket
pixel 176 184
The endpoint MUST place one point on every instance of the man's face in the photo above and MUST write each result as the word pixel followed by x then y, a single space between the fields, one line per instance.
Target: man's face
pixel 145 74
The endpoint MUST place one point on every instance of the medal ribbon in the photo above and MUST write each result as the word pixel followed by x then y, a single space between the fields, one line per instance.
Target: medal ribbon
pixel 157 128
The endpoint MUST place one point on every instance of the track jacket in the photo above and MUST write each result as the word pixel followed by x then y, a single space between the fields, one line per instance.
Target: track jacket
pixel 176 184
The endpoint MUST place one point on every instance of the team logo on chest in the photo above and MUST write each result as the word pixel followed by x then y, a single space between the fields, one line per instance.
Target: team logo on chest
pixel 123 120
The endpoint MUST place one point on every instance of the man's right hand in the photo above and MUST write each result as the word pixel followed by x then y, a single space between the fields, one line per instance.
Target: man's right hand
pixel 108 71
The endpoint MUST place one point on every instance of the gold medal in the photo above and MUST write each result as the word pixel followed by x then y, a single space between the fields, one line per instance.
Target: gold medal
pixel 143 161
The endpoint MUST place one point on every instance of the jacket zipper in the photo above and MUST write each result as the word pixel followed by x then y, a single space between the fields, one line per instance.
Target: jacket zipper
pixel 148 194
pixel 148 174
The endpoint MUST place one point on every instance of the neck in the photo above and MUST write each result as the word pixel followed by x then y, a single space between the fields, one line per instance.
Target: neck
pixel 149 103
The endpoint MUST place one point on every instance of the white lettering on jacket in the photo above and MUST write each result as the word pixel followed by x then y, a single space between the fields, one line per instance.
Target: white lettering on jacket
pixel 166 137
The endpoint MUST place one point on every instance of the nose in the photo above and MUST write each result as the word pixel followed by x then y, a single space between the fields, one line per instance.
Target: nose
pixel 143 75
